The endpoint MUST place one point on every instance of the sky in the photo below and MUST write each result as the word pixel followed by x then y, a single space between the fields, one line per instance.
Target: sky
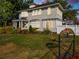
pixel 76 6
pixel 38 1
pixel 74 3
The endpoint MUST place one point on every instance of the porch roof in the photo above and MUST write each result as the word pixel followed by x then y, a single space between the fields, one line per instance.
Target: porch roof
pixel 19 20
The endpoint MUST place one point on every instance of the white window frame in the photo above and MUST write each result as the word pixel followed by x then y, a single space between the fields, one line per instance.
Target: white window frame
pixel 49 11
pixel 36 12
pixel 33 12
pixel 24 14
pixel 39 12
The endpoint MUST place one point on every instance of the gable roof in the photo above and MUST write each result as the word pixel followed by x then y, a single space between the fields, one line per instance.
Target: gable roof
pixel 43 6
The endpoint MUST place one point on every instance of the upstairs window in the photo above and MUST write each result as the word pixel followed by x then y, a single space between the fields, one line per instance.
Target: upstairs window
pixel 49 10
pixel 24 14
pixel 39 12
pixel 36 12
pixel 33 13
pixel 59 12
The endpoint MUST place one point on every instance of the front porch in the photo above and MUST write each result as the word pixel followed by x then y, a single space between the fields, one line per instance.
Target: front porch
pixel 40 24
pixel 22 24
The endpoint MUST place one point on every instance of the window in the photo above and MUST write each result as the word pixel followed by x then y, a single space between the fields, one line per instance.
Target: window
pixel 59 12
pixel 36 12
pixel 40 12
pixel 24 14
pixel 49 11
pixel 33 13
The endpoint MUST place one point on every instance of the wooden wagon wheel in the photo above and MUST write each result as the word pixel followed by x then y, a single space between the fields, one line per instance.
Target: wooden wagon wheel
pixel 60 45
pixel 66 42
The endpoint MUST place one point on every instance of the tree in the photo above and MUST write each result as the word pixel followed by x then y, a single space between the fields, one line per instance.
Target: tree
pixel 71 15
pixel 64 3
pixel 5 10
pixel 19 5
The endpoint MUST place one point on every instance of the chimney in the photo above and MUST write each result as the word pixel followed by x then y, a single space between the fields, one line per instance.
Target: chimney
pixel 32 5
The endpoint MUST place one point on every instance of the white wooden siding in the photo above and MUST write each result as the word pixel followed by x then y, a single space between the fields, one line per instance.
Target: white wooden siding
pixel 58 23
pixel 35 24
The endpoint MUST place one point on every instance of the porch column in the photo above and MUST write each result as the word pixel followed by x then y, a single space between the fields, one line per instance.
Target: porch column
pixel 28 24
pixel 15 24
pixel 21 24
pixel 41 25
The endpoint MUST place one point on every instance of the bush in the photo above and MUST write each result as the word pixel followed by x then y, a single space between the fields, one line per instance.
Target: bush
pixel 1 30
pixel 53 36
pixel 7 30
pixel 30 29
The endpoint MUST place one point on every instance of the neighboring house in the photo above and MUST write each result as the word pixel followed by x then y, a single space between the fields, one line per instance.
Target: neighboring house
pixel 42 17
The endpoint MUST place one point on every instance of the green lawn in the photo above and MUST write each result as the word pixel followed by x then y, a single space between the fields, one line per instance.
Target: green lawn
pixel 28 40
pixel 36 42
pixel 33 41
pixel 34 45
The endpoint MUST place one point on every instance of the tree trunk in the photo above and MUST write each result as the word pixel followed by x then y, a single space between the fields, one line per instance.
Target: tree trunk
pixel 5 23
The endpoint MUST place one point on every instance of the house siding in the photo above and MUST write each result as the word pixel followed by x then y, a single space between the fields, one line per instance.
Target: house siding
pixel 44 15
pixel 50 17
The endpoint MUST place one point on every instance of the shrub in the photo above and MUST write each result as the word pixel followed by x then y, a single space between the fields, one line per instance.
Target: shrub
pixel 7 30
pixel 1 30
pixel 10 30
pixel 53 36
pixel 30 29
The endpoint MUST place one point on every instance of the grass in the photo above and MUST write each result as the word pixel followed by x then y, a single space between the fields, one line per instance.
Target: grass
pixel 34 41
pixel 34 44
pixel 77 42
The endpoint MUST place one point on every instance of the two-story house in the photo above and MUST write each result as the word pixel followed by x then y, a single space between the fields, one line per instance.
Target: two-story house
pixel 42 17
